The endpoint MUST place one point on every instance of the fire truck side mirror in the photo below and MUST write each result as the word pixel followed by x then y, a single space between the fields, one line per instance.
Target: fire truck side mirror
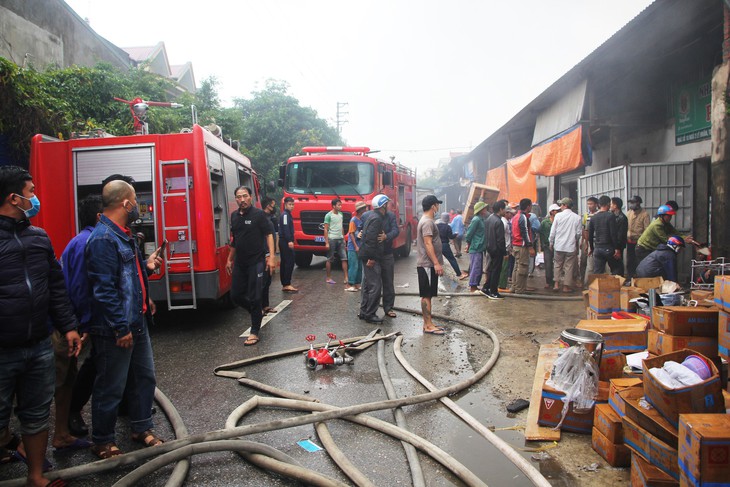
pixel 282 174
pixel 280 182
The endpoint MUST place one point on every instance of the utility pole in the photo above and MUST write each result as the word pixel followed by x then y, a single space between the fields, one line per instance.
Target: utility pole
pixel 341 116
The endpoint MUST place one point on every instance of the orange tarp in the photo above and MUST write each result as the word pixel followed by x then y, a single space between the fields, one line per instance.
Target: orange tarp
pixel 558 156
pixel 497 178
pixel 516 178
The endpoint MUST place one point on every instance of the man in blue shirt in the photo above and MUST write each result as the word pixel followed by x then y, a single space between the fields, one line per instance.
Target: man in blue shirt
pixel 457 226
pixel 72 384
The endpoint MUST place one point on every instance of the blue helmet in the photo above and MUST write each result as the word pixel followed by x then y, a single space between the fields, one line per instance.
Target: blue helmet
pixel 379 201
pixel 665 210
pixel 675 242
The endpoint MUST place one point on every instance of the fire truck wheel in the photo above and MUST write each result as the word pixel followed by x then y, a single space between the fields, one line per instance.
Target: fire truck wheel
pixel 303 259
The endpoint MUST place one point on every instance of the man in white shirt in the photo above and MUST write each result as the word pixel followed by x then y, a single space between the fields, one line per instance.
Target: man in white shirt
pixel 565 237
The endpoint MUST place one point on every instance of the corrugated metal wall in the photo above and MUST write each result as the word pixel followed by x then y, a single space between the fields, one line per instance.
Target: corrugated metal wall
pixel 611 182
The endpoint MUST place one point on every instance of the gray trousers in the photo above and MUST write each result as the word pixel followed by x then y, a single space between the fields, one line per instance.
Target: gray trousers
pixel 371 287
pixel 564 268
pixel 387 269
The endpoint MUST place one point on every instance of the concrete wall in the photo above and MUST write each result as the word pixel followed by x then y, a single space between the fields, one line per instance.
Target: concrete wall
pixel 655 146
pixel 48 32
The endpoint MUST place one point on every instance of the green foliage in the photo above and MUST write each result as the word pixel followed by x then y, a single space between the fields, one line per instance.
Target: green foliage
pixel 271 125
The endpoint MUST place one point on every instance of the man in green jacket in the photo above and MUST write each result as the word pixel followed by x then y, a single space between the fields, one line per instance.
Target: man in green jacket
pixel 476 244
pixel 658 231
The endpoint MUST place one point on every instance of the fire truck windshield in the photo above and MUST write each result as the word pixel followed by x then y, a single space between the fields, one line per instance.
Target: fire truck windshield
pixel 330 177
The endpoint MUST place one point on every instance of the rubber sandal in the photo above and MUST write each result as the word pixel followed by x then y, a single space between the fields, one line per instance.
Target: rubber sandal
pixel 47 466
pixel 331 281
pixel 106 451
pixel 391 313
pixel 147 438
pixel 57 483
pixel 7 450
pixel 250 341
pixel 437 331
pixel 269 309
pixel 77 444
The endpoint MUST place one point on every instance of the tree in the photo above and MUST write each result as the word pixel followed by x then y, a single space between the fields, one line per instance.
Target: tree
pixel 275 127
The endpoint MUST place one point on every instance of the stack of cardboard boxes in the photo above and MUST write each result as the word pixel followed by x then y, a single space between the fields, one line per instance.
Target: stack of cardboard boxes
pixel 679 327
pixel 606 294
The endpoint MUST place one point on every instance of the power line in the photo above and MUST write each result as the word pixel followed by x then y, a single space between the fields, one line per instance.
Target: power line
pixel 426 150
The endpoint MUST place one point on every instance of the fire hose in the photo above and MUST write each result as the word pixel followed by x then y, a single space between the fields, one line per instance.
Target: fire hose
pixel 319 414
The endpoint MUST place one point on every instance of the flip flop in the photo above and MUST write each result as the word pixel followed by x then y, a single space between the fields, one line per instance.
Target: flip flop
pixel 250 341
pixel 391 314
pixel 437 331
pixel 78 444
pixel 269 309
pixel 7 450
pixel 290 290
pixel 331 281
pixel 57 483
pixel 47 466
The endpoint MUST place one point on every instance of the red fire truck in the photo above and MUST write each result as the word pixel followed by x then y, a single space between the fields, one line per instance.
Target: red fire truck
pixel 321 174
pixel 184 184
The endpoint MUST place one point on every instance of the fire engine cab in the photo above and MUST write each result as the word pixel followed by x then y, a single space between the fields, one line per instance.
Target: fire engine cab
pixel 184 184
pixel 351 174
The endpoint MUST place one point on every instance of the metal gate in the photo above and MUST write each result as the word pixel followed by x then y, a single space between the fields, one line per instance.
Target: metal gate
pixel 611 182
pixel 656 183
pixel 660 182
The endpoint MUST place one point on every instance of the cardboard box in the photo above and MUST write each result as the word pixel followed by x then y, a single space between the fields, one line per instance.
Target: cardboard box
pixel 627 293
pixel 648 419
pixel 586 302
pixel 618 385
pixel 647 282
pixel 660 343
pixel 704 297
pixel 722 292
pixel 726 395
pixel 617 455
pixel 644 474
pixel 592 315
pixel 685 321
pixel 551 410
pixel 723 335
pixel 705 397
pixel 626 336
pixel 604 294
pixel 612 365
pixel 608 423
pixel 704 450
pixel 651 448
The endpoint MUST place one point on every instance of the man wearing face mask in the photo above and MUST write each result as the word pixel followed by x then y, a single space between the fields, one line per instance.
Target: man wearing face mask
pixel 120 314
pixel 31 290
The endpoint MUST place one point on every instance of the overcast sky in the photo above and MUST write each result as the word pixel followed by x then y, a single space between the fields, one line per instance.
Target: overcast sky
pixel 421 78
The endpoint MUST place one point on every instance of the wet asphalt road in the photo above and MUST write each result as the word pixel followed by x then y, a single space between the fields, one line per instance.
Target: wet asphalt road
pixel 188 345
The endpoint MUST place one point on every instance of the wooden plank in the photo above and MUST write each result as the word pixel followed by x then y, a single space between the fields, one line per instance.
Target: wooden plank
pixel 533 431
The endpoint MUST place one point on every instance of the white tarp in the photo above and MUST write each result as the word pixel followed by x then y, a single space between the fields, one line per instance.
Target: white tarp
pixel 561 115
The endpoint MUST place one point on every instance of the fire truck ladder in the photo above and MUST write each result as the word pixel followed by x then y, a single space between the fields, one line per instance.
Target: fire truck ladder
pixel 173 188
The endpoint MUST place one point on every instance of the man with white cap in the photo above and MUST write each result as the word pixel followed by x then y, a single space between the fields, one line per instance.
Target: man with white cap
pixel 565 234
pixel 544 231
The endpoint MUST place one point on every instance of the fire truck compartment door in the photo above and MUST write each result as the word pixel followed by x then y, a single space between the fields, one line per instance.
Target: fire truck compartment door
pixel 95 165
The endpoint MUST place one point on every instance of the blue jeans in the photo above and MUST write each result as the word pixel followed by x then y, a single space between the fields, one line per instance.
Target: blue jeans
pixel 113 366
pixel 27 373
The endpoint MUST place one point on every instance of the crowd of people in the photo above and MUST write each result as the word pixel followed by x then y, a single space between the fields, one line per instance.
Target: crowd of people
pixel 97 297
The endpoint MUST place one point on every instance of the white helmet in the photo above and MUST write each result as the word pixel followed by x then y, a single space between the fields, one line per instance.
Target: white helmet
pixel 379 201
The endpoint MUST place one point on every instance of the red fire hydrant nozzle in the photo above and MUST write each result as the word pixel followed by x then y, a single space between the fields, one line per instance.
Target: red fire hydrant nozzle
pixel 325 356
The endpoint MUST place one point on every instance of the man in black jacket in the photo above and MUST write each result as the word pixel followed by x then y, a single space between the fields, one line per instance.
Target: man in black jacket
pixel 603 238
pixel 495 249
pixel 622 227
pixel 371 254
pixel 32 289
pixel 286 245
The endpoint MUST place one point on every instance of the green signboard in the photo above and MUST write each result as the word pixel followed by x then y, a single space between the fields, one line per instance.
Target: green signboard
pixel 692 117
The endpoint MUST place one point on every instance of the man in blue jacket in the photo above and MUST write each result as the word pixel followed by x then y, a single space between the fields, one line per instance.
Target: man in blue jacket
pixel 31 291
pixel 120 314
pixel 663 261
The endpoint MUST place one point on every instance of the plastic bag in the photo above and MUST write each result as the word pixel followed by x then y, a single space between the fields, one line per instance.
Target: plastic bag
pixel 575 372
